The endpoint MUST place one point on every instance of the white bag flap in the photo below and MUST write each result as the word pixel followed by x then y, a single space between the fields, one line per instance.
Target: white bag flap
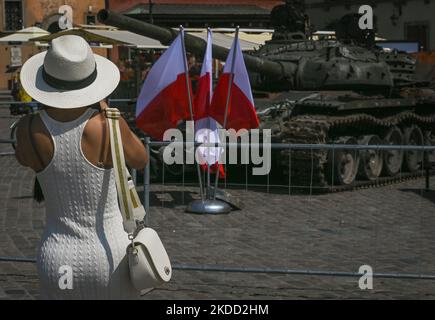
pixel 150 241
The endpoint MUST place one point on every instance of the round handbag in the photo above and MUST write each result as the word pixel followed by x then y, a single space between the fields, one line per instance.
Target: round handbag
pixel 148 260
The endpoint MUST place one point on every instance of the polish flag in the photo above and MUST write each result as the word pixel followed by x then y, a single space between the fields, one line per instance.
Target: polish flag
pixel 206 129
pixel 241 110
pixel 163 100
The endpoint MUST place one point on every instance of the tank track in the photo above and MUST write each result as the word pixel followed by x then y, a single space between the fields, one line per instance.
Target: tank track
pixel 309 168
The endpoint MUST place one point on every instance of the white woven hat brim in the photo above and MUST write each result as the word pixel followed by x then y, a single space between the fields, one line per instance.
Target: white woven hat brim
pixel 33 83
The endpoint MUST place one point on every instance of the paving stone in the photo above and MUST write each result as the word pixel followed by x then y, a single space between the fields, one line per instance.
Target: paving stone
pixel 391 228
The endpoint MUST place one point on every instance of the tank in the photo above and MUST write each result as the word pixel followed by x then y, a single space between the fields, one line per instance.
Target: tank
pixel 341 91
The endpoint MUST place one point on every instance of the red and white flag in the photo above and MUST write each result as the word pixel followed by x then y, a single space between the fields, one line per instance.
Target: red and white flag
pixel 241 110
pixel 206 129
pixel 163 100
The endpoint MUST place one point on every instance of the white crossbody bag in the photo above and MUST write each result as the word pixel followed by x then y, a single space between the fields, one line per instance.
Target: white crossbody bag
pixel 147 258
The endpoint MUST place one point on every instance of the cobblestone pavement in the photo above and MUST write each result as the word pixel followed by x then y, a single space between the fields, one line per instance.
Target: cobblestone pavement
pixel 5 121
pixel 390 228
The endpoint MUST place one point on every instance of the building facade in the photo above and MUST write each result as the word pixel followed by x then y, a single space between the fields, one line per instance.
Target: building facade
pixel 19 14
pixel 199 14
pixel 396 19
pixel 124 5
pixel 412 20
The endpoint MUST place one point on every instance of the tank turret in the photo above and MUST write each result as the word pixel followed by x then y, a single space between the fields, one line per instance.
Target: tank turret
pixel 341 91
pixel 284 64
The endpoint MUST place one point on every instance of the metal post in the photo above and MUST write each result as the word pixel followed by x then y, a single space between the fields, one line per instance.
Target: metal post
pixel 186 70
pixel 150 10
pixel 146 179
pixel 208 182
pixel 138 74
pixel 134 176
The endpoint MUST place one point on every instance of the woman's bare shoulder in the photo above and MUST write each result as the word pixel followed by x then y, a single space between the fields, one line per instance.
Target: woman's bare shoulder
pixel 23 122
pixel 94 126
pixel 23 128
pixel 23 146
pixel 97 119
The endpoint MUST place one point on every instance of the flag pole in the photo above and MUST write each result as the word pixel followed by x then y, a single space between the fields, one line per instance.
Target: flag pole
pixel 198 170
pixel 208 189
pixel 203 206
pixel 233 60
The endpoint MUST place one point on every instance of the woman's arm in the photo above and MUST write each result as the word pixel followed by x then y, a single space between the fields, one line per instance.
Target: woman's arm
pixel 22 139
pixel 134 150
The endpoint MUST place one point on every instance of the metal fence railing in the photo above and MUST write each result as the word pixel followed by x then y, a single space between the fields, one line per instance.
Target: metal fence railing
pixel 300 272
pixel 424 170
pixel 144 180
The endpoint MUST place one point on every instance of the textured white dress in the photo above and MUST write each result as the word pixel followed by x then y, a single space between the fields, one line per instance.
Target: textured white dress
pixel 83 231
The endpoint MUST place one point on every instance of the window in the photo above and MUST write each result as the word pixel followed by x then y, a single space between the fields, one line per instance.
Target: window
pixel 91 20
pixel 418 31
pixel 13 17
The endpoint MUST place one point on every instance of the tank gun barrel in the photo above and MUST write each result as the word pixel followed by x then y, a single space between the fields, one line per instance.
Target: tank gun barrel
pixel 193 44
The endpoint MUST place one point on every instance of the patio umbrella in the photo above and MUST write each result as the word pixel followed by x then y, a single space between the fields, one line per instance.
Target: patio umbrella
pixel 88 36
pixel 23 36
pixel 104 37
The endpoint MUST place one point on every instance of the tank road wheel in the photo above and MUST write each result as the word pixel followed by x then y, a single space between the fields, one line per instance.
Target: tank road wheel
pixel 371 161
pixel 343 164
pixel 393 159
pixel 413 159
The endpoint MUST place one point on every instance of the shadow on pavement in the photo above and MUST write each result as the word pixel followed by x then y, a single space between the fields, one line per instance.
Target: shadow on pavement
pixel 170 199
pixel 426 194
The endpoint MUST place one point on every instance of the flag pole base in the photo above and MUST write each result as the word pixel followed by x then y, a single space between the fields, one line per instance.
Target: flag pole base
pixel 208 207
pixel 234 202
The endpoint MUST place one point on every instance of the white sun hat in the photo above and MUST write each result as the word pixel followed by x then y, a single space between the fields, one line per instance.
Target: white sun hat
pixel 69 75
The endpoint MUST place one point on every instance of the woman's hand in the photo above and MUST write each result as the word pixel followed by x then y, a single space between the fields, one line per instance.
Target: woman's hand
pixel 103 105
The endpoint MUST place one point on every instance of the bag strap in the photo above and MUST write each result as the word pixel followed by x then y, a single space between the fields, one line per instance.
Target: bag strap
pixel 105 146
pixel 133 212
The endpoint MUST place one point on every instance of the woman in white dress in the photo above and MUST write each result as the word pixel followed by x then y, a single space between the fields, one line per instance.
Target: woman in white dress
pixel 83 246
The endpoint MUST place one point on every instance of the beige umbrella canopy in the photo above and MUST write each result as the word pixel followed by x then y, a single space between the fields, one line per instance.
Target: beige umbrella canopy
pixel 105 37
pixel 130 39
pixel 226 40
pixel 23 36
pixel 86 34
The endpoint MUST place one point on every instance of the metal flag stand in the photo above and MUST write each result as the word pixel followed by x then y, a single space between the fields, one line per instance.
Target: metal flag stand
pixel 203 206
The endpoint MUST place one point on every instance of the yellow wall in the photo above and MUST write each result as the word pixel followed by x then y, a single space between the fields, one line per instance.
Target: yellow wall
pixel 38 11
